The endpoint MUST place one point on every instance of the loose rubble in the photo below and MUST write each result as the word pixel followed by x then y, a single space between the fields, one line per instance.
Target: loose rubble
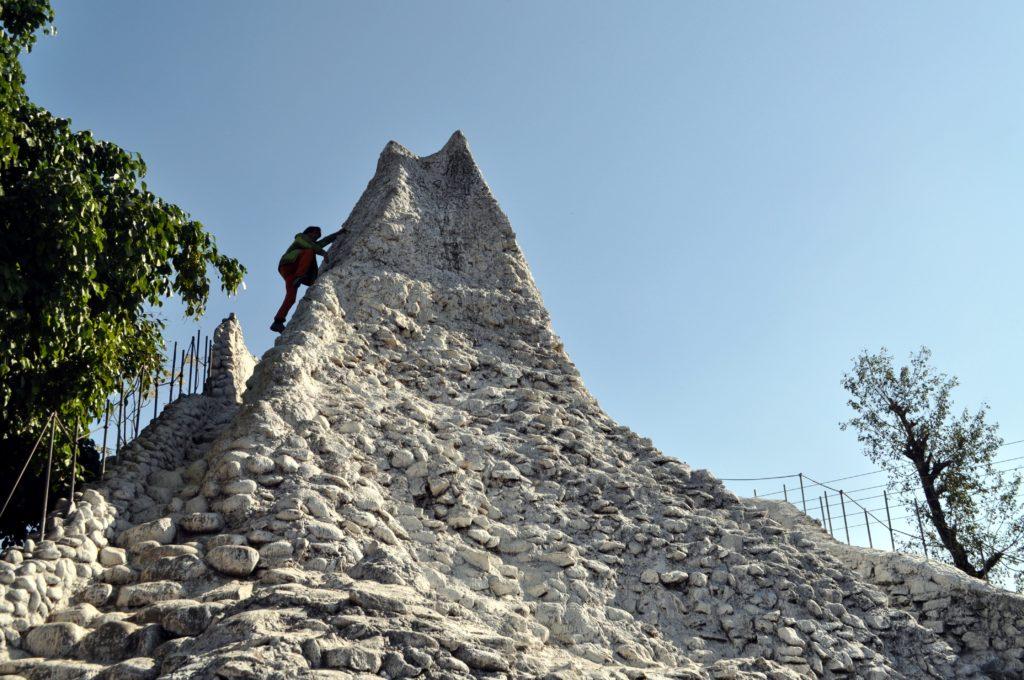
pixel 414 482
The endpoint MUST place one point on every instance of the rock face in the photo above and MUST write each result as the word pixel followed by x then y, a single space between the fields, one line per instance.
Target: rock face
pixel 417 484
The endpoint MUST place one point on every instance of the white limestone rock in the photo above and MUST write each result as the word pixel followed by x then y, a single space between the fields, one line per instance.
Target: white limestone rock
pixel 54 639
pixel 233 560
pixel 415 482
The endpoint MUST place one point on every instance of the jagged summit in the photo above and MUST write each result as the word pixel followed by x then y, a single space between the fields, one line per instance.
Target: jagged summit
pixel 456 144
pixel 434 218
pixel 418 484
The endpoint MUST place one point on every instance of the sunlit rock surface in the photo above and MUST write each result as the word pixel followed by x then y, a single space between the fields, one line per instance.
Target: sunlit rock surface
pixel 416 483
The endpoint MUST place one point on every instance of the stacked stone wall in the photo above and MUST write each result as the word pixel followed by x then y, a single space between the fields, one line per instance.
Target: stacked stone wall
pixel 982 623
pixel 231 363
pixel 77 562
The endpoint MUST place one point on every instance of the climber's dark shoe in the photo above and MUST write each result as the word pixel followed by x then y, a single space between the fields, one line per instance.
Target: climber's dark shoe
pixel 277 326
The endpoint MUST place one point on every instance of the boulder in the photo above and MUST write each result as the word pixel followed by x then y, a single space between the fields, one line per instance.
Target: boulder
pixel 160 530
pixel 54 639
pixel 233 560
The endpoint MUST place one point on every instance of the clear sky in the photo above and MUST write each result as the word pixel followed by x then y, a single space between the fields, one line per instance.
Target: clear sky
pixel 722 202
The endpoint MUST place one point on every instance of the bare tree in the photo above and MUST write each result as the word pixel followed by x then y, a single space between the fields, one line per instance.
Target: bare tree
pixel 904 418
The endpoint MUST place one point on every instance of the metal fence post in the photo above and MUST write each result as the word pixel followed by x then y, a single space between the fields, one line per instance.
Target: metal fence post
pixel 191 362
pixel 170 380
pixel 206 366
pixel 156 390
pixel 120 419
pixel 822 507
pixel 867 523
pixel 138 407
pixel 46 489
pixel 74 460
pixel 846 525
pixel 785 494
pixel 195 379
pixel 828 512
pixel 106 424
pixel 803 500
pixel 888 518
pixel 181 373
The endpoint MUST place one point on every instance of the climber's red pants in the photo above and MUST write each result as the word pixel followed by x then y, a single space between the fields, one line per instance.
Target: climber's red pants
pixel 293 273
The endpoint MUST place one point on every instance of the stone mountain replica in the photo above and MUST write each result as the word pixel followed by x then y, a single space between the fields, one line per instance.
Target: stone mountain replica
pixel 415 483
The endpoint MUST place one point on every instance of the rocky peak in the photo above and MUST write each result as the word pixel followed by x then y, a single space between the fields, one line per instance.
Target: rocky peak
pixel 417 484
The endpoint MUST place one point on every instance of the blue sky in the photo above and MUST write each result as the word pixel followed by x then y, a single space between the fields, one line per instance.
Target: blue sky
pixel 722 202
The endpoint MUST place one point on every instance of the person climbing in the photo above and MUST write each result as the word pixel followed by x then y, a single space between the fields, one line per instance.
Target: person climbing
pixel 298 266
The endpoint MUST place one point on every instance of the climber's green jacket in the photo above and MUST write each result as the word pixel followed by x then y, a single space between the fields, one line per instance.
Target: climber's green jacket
pixel 304 242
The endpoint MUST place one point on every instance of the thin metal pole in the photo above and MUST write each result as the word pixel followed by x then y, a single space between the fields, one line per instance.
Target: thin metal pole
pixel 195 384
pixel 191 362
pixel 868 525
pixel 46 489
pixel 170 382
pixel 755 493
pixel 785 494
pixel 206 362
pixel 156 390
pixel 120 419
pixel 822 506
pixel 920 527
pixel 846 525
pixel 74 459
pixel 24 467
pixel 106 424
pixel 888 519
pixel 201 367
pixel 181 373
pixel 138 406
pixel 802 499
pixel 828 511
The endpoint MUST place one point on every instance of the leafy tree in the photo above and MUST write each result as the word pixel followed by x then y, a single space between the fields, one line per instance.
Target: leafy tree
pixel 904 417
pixel 87 253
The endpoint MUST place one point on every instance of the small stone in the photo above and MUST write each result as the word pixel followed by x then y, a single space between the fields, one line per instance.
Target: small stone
pixel 139 668
pixel 190 619
pixel 276 549
pixel 649 576
pixel 402 459
pixel 118 575
pixel 562 559
pixel 356 658
pixel 238 507
pixel 54 639
pixel 376 602
pixel 671 578
pixel 161 530
pixel 482 659
pixel 790 637
pixel 504 586
pixel 244 486
pixel 81 614
pixel 111 557
pixel 233 560
pixel 142 594
pixel 203 522
pixel 97 594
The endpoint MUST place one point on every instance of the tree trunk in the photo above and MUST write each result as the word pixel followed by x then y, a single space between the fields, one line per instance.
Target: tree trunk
pixel 917 451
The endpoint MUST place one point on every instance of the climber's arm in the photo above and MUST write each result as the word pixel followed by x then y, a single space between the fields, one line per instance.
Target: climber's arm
pixel 327 240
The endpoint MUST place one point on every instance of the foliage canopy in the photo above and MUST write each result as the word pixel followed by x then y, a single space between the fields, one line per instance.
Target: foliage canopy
pixel 87 253
pixel 905 419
